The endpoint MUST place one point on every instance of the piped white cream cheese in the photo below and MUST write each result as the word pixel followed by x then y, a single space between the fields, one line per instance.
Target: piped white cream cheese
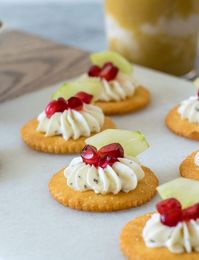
pixel 72 123
pixel 189 109
pixel 122 87
pixel 123 175
pixel 184 237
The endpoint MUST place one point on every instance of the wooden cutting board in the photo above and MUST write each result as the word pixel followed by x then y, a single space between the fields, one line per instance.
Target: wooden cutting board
pixel 29 63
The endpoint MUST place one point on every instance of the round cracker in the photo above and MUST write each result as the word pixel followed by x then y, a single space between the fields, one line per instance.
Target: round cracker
pixel 139 100
pixel 189 169
pixel 181 126
pixel 134 248
pixel 55 144
pixel 90 201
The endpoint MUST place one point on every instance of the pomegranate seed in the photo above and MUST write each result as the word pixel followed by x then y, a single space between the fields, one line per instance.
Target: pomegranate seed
pixel 198 94
pixel 85 97
pixel 55 106
pixel 163 207
pixel 106 160
pixel 94 71
pixel 170 212
pixel 113 150
pixel 191 213
pixel 109 63
pixel 108 72
pixel 90 155
pixel 107 155
pixel 172 217
pixel 74 103
pixel 61 101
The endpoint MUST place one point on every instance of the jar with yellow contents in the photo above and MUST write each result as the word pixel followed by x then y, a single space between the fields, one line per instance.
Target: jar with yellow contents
pixel 160 34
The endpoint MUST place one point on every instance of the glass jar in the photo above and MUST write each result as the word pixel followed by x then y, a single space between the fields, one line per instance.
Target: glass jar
pixel 160 34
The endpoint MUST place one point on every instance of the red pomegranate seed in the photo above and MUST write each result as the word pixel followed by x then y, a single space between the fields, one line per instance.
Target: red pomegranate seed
pixel 171 218
pixel 108 72
pixel 94 71
pixel 106 160
pixel 90 155
pixel 113 150
pixel 62 104
pixel 163 207
pixel 61 101
pixel 85 97
pixel 55 106
pixel 191 213
pixel 109 63
pixel 74 103
pixel 107 155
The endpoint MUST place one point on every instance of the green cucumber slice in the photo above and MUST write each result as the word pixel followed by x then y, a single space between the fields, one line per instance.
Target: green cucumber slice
pixel 133 142
pixel 69 89
pixel 183 189
pixel 118 60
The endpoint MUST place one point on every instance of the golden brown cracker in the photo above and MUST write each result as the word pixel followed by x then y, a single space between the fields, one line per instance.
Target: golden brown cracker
pixel 189 169
pixel 134 248
pixel 181 126
pixel 90 201
pixel 55 144
pixel 139 100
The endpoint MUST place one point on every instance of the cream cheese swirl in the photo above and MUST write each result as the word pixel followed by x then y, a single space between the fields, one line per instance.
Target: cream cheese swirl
pixel 123 175
pixel 122 87
pixel 196 159
pixel 72 123
pixel 189 109
pixel 118 89
pixel 184 237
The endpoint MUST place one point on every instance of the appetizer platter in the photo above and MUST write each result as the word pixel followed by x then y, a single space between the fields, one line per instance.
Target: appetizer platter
pixel 105 153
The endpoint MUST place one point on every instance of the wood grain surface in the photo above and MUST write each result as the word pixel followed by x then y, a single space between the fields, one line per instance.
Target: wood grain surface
pixel 29 63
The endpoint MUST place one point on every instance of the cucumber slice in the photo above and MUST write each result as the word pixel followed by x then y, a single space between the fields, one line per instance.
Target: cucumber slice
pixel 133 142
pixel 100 58
pixel 196 83
pixel 183 189
pixel 69 89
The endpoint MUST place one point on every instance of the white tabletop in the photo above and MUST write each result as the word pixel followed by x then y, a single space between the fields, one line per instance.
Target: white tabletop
pixel 35 226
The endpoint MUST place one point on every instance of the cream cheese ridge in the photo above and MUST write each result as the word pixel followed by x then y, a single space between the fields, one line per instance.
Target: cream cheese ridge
pixel 122 87
pixel 72 123
pixel 189 109
pixel 184 237
pixel 123 175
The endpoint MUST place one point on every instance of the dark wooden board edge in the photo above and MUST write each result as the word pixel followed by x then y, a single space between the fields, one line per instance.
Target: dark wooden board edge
pixel 29 63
